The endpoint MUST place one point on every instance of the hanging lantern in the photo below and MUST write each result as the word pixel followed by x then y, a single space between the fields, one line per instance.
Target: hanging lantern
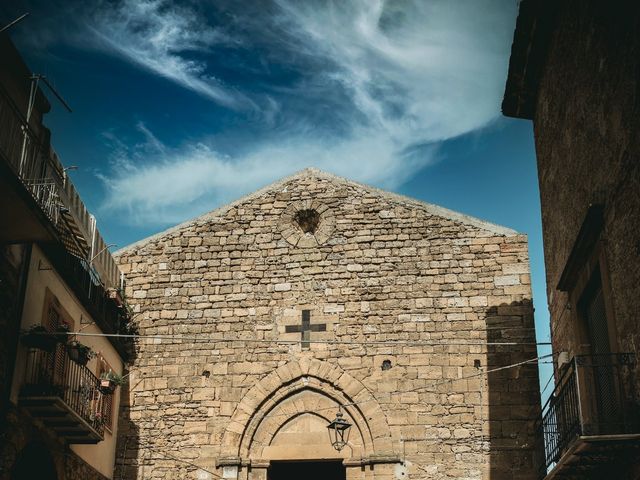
pixel 339 431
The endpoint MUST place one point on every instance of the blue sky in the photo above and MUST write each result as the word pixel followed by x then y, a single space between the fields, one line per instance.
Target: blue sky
pixel 180 107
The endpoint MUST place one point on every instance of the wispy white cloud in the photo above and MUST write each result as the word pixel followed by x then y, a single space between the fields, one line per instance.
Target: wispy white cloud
pixel 401 75
pixel 163 36
pixel 176 184
pixel 424 70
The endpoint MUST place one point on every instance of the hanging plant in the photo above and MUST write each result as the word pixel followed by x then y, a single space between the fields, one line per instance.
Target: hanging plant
pixel 61 332
pixel 109 381
pixel 97 418
pixel 79 353
pixel 39 337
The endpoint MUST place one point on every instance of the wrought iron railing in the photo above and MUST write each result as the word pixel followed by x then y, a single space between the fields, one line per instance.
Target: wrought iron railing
pixel 25 148
pixel 46 194
pixel 110 317
pixel 54 374
pixel 590 398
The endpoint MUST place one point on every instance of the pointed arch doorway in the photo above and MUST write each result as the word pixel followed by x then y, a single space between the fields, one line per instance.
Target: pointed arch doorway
pixel 279 428
pixel 300 447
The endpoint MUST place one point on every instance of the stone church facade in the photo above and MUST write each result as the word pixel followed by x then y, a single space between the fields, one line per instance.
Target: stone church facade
pixel 262 319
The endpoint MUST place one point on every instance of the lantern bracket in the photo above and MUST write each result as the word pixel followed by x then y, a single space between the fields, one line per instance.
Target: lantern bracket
pixel 339 430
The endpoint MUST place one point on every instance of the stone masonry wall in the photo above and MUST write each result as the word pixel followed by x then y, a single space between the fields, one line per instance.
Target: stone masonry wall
pixel 24 433
pixel 379 268
pixel 586 127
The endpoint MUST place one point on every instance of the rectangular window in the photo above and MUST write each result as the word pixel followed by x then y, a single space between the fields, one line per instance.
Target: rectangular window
pixel 601 377
pixel 592 306
pixel 56 316
pixel 105 402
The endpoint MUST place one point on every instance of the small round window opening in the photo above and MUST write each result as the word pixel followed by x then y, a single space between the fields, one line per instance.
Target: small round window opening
pixel 307 219
pixel 307 224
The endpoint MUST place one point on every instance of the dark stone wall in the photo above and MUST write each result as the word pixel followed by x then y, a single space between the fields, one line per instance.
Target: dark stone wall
pixel 587 130
pixel 12 258
pixel 29 450
pixel 77 469
pixel 22 436
pixel 11 261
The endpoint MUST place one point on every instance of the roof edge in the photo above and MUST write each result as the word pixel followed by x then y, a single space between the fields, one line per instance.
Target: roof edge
pixel 216 212
pixel 429 207
pixel 531 40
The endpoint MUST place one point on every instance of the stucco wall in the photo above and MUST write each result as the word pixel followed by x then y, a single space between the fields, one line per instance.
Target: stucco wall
pixel 387 269
pixel 43 278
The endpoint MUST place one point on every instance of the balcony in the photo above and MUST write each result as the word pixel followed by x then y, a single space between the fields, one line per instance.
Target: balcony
pixel 31 173
pixel 43 206
pixel 107 313
pixel 588 423
pixel 63 395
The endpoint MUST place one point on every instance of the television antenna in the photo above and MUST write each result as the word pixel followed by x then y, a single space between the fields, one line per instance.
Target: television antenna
pixel 11 24
pixel 33 91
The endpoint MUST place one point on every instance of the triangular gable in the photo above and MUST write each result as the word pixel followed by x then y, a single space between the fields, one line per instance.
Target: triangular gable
pixel 314 172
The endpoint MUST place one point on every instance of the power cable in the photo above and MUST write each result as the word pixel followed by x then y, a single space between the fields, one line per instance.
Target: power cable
pixel 166 455
pixel 548 382
pixel 418 389
pixel 178 336
pixel 349 404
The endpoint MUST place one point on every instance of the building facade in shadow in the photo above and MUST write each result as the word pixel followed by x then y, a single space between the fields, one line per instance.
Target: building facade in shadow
pixel 575 71
pixel 59 292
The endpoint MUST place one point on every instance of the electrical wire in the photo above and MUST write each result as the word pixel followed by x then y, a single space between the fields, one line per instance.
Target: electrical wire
pixel 338 342
pixel 417 343
pixel 548 383
pixel 351 404
pixel 166 455
pixel 419 389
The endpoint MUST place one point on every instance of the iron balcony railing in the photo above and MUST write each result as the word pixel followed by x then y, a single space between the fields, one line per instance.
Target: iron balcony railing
pixel 107 314
pixel 55 375
pixel 589 399
pixel 25 148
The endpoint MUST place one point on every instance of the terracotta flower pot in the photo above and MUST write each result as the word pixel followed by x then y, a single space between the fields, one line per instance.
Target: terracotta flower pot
pixel 78 354
pixel 107 387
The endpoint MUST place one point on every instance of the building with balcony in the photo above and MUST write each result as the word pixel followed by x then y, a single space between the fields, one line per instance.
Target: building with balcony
pixel 59 293
pixel 575 71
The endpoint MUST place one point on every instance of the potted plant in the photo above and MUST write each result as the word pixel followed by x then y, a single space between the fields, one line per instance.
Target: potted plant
pixel 61 332
pixel 109 381
pixel 79 352
pixel 96 418
pixel 39 337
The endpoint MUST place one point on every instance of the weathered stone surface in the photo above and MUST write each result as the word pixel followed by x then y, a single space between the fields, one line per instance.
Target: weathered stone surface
pixel 574 71
pixel 592 159
pixel 399 280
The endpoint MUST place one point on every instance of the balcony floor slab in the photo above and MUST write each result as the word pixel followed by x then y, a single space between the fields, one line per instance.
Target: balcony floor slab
pixel 593 452
pixel 61 418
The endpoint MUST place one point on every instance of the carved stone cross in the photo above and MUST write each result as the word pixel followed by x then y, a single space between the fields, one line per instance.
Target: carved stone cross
pixel 306 328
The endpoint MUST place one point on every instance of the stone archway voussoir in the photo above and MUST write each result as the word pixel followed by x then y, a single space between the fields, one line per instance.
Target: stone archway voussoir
pixel 328 380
